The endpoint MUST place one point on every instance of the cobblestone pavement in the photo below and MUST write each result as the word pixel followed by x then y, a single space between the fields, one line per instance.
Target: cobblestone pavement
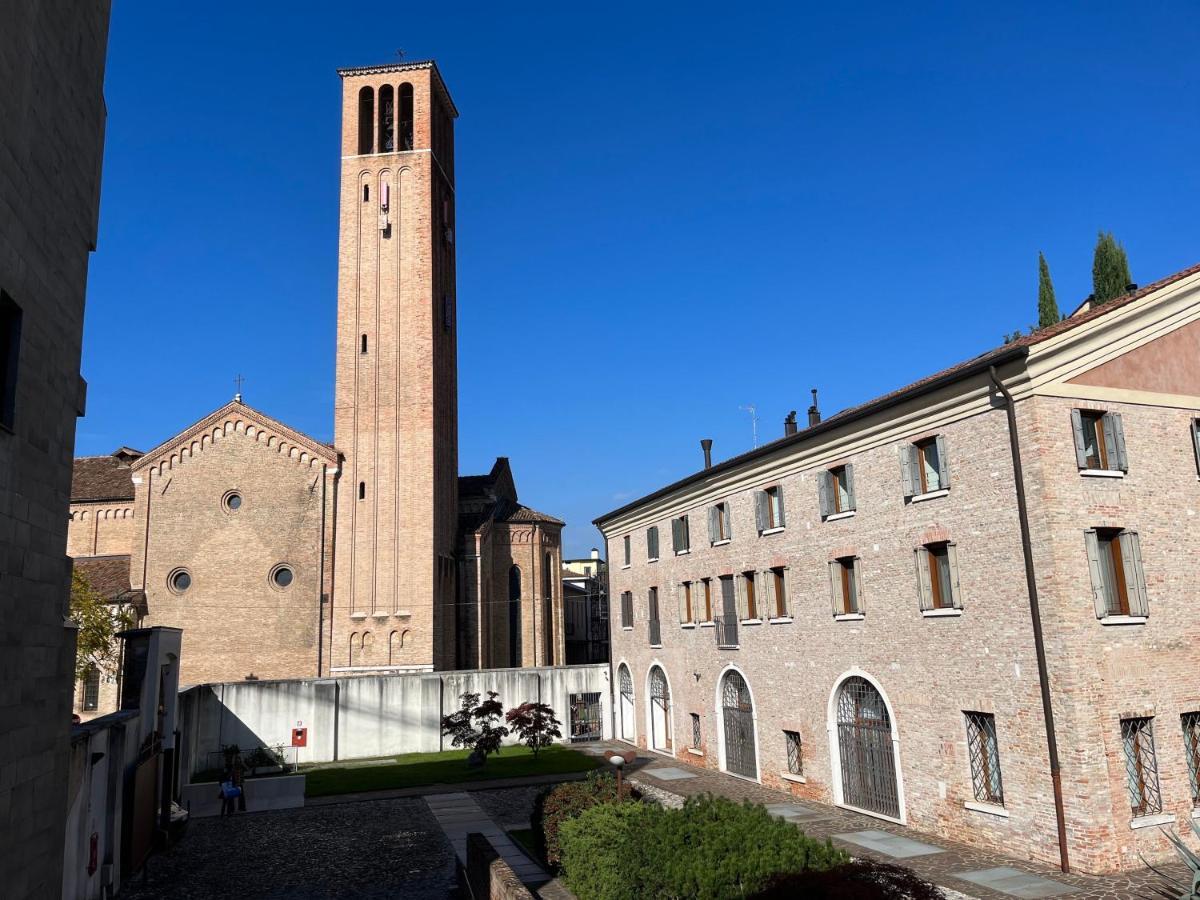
pixel 938 868
pixel 374 849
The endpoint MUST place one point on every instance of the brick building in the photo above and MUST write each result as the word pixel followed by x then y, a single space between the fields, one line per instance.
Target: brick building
pixel 859 612
pixel 281 556
pixel 52 57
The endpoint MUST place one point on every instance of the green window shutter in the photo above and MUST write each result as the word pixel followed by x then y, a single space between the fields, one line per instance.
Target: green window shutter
pixel 1114 440
pixel 782 519
pixel 714 528
pixel 908 469
pixel 676 535
pixel 1135 577
pixel 943 463
pixel 956 594
pixel 858 591
pixel 835 587
pixel 1196 441
pixel 850 487
pixel 923 584
pixel 728 521
pixel 652 542
pixel 687 532
pixel 1080 443
pixel 824 492
pixel 760 511
pixel 1092 542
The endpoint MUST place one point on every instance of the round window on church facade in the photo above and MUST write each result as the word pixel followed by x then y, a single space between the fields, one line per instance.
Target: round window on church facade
pixel 179 581
pixel 232 501
pixel 282 577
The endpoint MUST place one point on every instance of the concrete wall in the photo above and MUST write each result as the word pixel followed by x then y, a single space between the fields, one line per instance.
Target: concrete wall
pixel 379 715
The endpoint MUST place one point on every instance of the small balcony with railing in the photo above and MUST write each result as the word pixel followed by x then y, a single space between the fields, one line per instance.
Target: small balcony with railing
pixel 727 631
pixel 655 629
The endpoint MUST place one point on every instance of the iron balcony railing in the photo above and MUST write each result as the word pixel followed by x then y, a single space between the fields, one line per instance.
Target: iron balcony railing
pixel 655 633
pixel 727 631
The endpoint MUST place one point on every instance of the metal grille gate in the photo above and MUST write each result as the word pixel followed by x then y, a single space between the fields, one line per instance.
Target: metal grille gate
pixel 585 717
pixel 739 726
pixel 625 705
pixel 865 745
pixel 660 710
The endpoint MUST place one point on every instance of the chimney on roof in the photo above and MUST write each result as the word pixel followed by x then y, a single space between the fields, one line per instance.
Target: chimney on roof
pixel 789 424
pixel 706 446
pixel 814 414
pixel 595 553
pixel 1130 288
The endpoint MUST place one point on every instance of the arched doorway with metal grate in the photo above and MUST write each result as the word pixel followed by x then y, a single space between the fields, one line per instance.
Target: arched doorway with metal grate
pixel 735 708
pixel 626 728
pixel 867 750
pixel 658 710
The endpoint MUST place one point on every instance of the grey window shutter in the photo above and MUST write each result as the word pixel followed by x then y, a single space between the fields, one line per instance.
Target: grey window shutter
pixel 850 487
pixel 1135 577
pixel 760 510
pixel 686 529
pixel 677 534
pixel 1092 542
pixel 858 591
pixel 683 606
pixel 943 463
pixel 728 522
pixel 824 490
pixel 926 593
pixel 835 587
pixel 956 594
pixel 743 610
pixel 652 543
pixel 782 518
pixel 1114 434
pixel 1196 441
pixel 713 526
pixel 907 469
pixel 1110 441
pixel 1080 443
pixel 767 600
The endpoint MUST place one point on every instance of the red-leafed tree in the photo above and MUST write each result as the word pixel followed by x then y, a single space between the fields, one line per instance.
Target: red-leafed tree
pixel 534 724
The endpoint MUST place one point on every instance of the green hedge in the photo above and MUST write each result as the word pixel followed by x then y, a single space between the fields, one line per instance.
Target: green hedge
pixel 711 849
pixel 564 801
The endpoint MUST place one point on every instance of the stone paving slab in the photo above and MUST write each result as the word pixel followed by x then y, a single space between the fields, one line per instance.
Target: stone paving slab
pixel 459 815
pixel 889 844
pixel 1016 883
pixel 670 773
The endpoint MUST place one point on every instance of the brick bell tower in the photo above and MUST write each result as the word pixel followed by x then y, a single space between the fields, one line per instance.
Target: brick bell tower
pixel 396 391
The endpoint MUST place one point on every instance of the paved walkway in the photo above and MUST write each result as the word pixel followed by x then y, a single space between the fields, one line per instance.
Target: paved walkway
pixel 957 868
pixel 458 815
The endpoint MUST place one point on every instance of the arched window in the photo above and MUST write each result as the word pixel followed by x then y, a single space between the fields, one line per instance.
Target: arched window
pixel 394 645
pixel 350 654
pixel 514 616
pixel 406 116
pixel 366 120
pixel 387 119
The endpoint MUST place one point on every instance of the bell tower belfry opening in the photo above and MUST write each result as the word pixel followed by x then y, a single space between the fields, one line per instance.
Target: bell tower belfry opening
pixel 396 392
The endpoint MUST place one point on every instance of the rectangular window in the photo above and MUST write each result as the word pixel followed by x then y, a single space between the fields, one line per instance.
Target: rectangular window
pixel 924 466
pixel 708 600
pixel 751 610
pixel 780 584
pixel 10 351
pixel 1118 580
pixel 1141 767
pixel 937 575
pixel 985 758
pixel 1191 746
pixel 627 609
pixel 795 752
pixel 681 537
pixel 843 579
pixel 653 624
pixel 768 509
pixel 1099 440
pixel 695 731
pixel 652 543
pixel 836 489
pixel 627 550
pixel 91 690
pixel 1196 441
pixel 718 523
pixel 686 612
pixel 652 603
pixel 929 467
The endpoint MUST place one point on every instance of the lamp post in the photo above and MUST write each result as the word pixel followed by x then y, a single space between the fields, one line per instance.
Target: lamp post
pixel 619 759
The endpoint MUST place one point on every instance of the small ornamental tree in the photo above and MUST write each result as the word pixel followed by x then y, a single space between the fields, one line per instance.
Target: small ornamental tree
pixel 474 725
pixel 487 716
pixel 457 726
pixel 1110 270
pixel 534 724
pixel 1047 305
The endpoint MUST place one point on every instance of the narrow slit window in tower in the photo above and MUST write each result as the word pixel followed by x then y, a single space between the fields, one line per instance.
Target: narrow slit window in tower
pixel 362 490
pixel 366 119
pixel 387 119
pixel 364 343
pixel 406 116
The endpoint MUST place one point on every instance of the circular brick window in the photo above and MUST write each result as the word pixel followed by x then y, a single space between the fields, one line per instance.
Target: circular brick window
pixel 179 581
pixel 232 501
pixel 282 577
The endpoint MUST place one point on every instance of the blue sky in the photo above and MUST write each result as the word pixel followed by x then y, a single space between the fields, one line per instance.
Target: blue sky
pixel 665 212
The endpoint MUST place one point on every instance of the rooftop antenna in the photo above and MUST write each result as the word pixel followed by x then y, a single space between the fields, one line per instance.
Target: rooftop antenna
pixel 400 53
pixel 238 381
pixel 753 410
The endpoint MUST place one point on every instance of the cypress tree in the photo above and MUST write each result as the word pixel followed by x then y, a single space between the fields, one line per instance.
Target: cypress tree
pixel 1110 269
pixel 1047 305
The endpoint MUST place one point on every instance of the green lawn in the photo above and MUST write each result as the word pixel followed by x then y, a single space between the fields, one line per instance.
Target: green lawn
pixel 450 767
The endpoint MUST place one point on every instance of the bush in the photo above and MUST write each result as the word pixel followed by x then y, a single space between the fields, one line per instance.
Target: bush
pixel 862 879
pixel 712 848
pixel 564 801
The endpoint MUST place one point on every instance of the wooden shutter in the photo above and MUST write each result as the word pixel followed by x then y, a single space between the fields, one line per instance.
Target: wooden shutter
pixel 956 594
pixel 1196 441
pixel 825 492
pixel 760 510
pixel 725 511
pixel 1114 441
pixel 1092 542
pixel 835 587
pixel 714 528
pixel 782 518
pixel 943 463
pixel 923 584
pixel 858 591
pixel 766 602
pixel 685 531
pixel 684 612
pixel 743 611
pixel 908 469
pixel 1135 578
pixel 676 535
pixel 851 504
pixel 652 543
pixel 1080 443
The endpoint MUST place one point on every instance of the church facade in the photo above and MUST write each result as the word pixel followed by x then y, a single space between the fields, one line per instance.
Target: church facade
pixel 284 557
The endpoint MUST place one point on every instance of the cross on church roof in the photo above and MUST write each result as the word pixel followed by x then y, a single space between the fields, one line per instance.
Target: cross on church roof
pixel 238 381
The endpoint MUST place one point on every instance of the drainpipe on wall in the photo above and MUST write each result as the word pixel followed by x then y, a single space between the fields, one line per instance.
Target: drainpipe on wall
pixel 1036 616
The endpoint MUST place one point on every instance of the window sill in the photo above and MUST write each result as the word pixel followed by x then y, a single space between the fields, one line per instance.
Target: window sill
pixel 695 752
pixel 940 613
pixel 720 543
pixel 751 622
pixel 767 531
pixel 798 779
pixel 990 808
pixel 687 624
pixel 626 566
pixel 929 495
pixel 781 620
pixel 656 646
pixel 652 559
pixel 1123 620
pixel 1151 821
pixel 708 624
pixel 848 514
pixel 627 628
pixel 1101 473
pixel 358 615
pixel 849 617
pixel 683 552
